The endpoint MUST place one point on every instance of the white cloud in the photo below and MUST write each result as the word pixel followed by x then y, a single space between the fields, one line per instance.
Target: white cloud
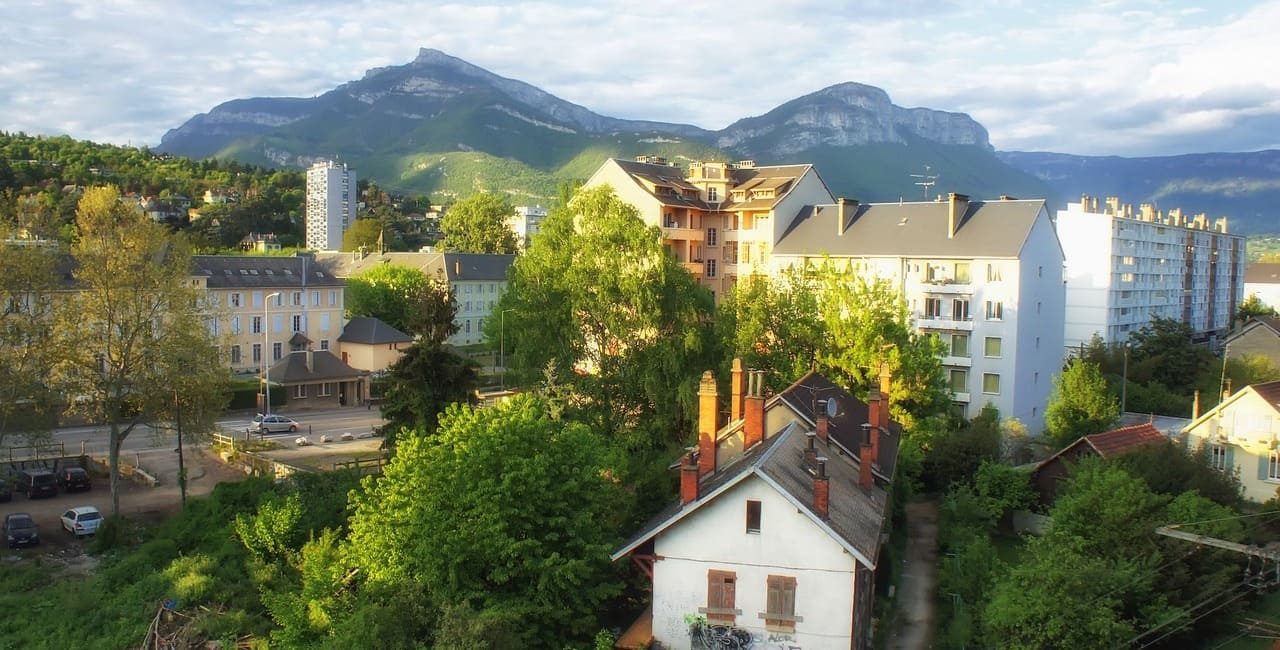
pixel 1128 77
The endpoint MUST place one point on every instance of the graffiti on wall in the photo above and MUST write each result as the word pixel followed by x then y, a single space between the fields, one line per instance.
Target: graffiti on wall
pixel 727 637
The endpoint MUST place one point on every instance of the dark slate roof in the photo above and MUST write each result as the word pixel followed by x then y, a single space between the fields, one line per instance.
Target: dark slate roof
pixel 1254 322
pixel 846 427
pixel 472 266
pixel 1260 273
pixel 292 368
pixel 448 267
pixel 987 229
pixel 856 516
pixel 780 177
pixel 262 272
pixel 1269 391
pixel 372 331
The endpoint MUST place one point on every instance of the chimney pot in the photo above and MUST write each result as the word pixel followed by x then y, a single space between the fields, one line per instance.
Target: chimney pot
pixel 708 423
pixel 958 205
pixel 822 489
pixel 821 418
pixel 1195 405
pixel 688 479
pixel 810 451
pixel 753 410
pixel 738 382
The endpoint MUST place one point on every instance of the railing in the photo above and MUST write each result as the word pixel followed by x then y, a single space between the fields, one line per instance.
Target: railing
pixel 37 452
pixel 362 466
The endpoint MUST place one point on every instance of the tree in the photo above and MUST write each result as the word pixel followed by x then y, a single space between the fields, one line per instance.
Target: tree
pixel 478 224
pixel 773 325
pixel 388 292
pixel 1250 307
pixel 29 398
pixel 1163 351
pixel 955 456
pixel 364 233
pixel 505 511
pixel 597 292
pixel 424 381
pixel 136 330
pixel 1080 404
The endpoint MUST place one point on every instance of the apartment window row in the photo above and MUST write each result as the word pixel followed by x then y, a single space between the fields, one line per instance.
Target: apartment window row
pixel 958 382
pixel 992 346
pixel 780 601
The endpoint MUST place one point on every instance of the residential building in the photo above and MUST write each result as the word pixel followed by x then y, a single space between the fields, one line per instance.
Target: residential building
pixel 331 204
pixel 475 281
pixel 317 379
pixel 778 528
pixel 983 276
pixel 261 305
pixel 526 222
pixel 1125 268
pixel 1263 280
pixel 719 220
pixel 370 344
pixel 1241 433
pixel 1260 336
pixel 1048 476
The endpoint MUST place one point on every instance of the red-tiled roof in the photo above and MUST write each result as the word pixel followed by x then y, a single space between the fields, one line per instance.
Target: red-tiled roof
pixel 1269 391
pixel 1118 441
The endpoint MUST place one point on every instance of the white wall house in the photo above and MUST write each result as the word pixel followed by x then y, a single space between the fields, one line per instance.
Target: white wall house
pixel 984 276
pixel 1242 433
pixel 331 204
pixel 777 531
pixel 1125 268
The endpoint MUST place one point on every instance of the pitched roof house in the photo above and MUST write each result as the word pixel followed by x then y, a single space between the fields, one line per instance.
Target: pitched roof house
pixel 368 343
pixel 777 531
pixel 1259 336
pixel 1049 474
pixel 1242 433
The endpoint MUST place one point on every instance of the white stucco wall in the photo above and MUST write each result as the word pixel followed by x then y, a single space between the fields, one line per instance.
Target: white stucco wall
pixel 808 190
pixel 1087 241
pixel 1267 292
pixel 1035 345
pixel 788 544
pixel 1243 428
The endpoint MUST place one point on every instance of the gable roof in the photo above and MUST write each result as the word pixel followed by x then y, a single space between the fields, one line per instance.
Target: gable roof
pixel 1262 273
pixel 1269 392
pixel 368 330
pixel 292 368
pixel 262 272
pixel 448 267
pixel 845 428
pixel 779 178
pixel 1265 321
pixel 1110 444
pixel 996 229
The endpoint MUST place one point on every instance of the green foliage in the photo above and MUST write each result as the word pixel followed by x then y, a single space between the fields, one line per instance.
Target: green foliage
pixel 29 401
pixel 1105 512
pixel 477 224
pixel 363 233
pixel 597 292
pixel 966 577
pixel 1170 470
pixel 1163 351
pixel 406 299
pixel 1003 489
pixel 955 454
pixel 424 381
pixel 1250 307
pixel 1080 404
pixel 773 325
pixel 272 531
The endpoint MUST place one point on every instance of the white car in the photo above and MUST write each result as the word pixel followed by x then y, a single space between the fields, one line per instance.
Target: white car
pixel 273 424
pixel 81 520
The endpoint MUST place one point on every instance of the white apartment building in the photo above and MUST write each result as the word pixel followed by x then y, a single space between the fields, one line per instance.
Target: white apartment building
pixel 984 276
pixel 526 222
pixel 1126 268
pixel 1263 280
pixel 331 204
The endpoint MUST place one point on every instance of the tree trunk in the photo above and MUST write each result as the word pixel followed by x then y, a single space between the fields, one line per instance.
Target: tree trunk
pixel 113 462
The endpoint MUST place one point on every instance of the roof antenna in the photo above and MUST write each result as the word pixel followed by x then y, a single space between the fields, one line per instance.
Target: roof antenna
pixel 926 181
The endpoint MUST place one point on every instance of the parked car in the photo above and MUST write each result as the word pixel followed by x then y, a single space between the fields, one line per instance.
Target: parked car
pixel 74 478
pixel 5 493
pixel 36 483
pixel 273 424
pixel 81 520
pixel 20 530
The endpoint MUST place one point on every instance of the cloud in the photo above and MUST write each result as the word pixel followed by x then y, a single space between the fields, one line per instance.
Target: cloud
pixel 1128 77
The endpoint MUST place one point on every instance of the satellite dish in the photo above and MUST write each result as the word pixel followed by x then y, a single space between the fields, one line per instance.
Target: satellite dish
pixel 833 409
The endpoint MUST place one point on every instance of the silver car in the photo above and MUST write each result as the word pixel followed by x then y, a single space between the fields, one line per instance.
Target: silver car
pixel 273 424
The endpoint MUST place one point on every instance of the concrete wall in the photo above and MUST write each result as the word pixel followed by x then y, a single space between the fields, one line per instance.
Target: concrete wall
pixel 1036 342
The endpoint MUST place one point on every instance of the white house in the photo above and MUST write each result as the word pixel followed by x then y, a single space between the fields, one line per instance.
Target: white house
pixel 984 276
pixel 1242 433
pixel 777 532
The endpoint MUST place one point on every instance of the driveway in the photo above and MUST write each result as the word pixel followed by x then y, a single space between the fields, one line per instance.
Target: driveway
pixel 914 622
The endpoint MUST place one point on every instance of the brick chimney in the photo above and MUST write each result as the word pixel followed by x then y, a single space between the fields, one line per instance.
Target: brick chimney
pixel 822 489
pixel 958 205
pixel 810 449
pixel 1195 406
pixel 737 386
pixel 688 479
pixel 753 410
pixel 708 412
pixel 1226 392
pixel 821 427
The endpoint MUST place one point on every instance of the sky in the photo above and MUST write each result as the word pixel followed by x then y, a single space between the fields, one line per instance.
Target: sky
pixel 1093 77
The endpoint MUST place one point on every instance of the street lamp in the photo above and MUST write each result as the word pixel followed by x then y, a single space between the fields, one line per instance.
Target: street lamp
pixel 266 380
pixel 502 348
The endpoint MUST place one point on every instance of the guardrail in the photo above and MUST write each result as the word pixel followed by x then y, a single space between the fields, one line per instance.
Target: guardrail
pixel 45 451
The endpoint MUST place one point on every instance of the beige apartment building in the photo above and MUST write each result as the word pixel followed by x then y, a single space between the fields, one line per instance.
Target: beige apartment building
pixel 720 220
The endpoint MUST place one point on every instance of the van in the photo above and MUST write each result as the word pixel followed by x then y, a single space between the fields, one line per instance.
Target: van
pixel 36 483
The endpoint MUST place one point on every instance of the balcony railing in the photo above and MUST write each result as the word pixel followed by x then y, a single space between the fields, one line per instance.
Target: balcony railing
pixel 685 234
pixel 941 323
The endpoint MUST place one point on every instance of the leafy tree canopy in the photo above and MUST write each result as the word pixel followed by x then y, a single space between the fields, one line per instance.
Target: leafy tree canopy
pixel 478 224
pixel 1080 404
pixel 364 233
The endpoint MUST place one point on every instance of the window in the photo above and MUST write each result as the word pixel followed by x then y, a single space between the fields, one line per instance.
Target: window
pixel 995 310
pixel 257 353
pixel 780 603
pixel 711 237
pixel 753 517
pixel 990 383
pixel 235 354
pixel 326 389
pixel 255 324
pixel 324 322
pixel 1273 466
pixel 959 345
pixel 467 326
pixel 235 299
pixel 711 268
pixel 279 299
pixel 235 324
pixel 277 323
pixel 257 298
pixel 315 298
pixel 713 194
pixel 277 350
pixel 1218 457
pixel 962 273
pixel 466 306
pixel 960 309
pixel 1128 260
pixel 993 273
pixel 299 392
pixel 721 589
pixel 991 347
pixel 1126 277
pixel 324 344
pixel 959 381
pixel 333 298
pixel 297 298
pixel 932 307
pixel 297 322
pixel 466 289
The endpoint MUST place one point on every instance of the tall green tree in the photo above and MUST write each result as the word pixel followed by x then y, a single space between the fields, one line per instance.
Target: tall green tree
pixel 478 224
pixel 29 350
pixel 363 233
pixel 1164 351
pixel 506 511
pixel 1250 307
pixel 1080 404
pixel 388 292
pixel 136 329
pixel 597 292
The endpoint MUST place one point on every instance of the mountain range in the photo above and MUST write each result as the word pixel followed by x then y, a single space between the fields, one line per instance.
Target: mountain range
pixel 441 125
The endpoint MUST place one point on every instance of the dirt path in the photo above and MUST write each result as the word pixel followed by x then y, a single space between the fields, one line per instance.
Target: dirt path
pixel 913 628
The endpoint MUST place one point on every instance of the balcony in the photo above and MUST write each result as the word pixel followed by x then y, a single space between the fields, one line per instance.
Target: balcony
pixel 683 234
pixel 940 323
pixel 946 287
pixel 964 362
pixel 695 268
pixel 960 397
pixel 730 235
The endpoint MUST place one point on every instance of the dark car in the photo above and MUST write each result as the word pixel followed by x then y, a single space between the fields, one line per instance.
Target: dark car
pixel 36 483
pixel 20 530
pixel 5 493
pixel 74 478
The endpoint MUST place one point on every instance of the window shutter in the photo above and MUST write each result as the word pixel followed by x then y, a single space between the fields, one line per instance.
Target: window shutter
pixel 1229 458
pixel 1263 459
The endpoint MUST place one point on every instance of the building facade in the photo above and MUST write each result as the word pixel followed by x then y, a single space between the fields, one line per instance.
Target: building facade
pixel 526 222
pixel 719 220
pixel 1263 280
pixel 983 276
pixel 1241 433
pixel 1125 268
pixel 331 204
